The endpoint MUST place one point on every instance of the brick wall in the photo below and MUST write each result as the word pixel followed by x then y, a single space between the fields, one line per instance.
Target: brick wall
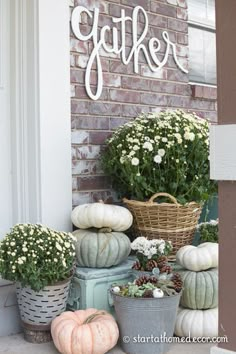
pixel 126 94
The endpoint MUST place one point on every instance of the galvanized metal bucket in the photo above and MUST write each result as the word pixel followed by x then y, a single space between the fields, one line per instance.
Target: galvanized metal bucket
pixel 38 309
pixel 146 324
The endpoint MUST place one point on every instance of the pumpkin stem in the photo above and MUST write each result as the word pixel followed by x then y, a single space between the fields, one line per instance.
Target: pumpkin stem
pixel 105 230
pixel 94 315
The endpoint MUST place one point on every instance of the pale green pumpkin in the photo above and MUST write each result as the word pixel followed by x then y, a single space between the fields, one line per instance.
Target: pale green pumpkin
pixel 101 248
pixel 200 289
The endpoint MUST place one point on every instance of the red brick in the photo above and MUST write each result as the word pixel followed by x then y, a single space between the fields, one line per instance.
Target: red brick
pixel 177 25
pixel 182 38
pixel 94 123
pixel 117 122
pixel 86 167
pixel 163 9
pixel 79 137
pixel 93 183
pixel 116 66
pixel 204 92
pixel 78 46
pixel 80 92
pixel 176 75
pixel 129 110
pixel 134 83
pixel 98 137
pixel 182 14
pixel 153 99
pixel 124 96
pixel 144 3
pixel 77 76
pixel 106 109
pixel 88 152
pixel 79 107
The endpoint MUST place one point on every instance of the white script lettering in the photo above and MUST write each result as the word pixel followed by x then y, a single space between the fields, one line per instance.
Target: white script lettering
pixel 154 44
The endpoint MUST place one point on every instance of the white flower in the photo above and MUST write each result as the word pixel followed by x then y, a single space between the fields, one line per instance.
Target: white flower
pixel 55 260
pixel 157 159
pixel 189 136
pixel 161 152
pixel 64 263
pixel 12 243
pixel 148 146
pixel 135 161
pixel 122 160
pixel 13 254
pixel 116 289
pixel 20 261
pixel 67 245
pixel 157 293
pixel 58 247
pixel 161 248
pixel 164 140
pixel 24 249
pixel 136 147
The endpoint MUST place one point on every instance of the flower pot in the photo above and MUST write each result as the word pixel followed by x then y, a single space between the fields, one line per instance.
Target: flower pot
pixel 146 324
pixel 38 309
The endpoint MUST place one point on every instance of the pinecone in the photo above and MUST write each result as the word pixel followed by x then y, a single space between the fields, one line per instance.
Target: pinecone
pixel 148 293
pixel 144 279
pixel 161 261
pixel 178 284
pixel 136 266
pixel 151 264
pixel 166 269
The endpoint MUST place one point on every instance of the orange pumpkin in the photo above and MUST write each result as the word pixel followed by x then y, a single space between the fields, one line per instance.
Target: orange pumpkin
pixel 84 332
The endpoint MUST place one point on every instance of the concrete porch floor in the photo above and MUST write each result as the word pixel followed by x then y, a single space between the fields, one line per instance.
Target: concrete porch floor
pixel 17 345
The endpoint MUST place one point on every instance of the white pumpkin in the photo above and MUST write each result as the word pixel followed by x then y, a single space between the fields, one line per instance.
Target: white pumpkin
pixel 197 323
pixel 101 215
pixel 202 257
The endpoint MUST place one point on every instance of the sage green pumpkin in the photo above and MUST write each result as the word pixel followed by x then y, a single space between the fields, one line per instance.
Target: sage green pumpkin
pixel 200 289
pixel 101 248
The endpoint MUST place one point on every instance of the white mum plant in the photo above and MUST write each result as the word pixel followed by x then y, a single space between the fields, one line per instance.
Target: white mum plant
pixel 36 255
pixel 161 152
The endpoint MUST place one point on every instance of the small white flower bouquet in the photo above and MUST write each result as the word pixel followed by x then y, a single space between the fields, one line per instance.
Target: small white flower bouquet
pixel 36 255
pixel 209 231
pixel 150 253
pixel 161 152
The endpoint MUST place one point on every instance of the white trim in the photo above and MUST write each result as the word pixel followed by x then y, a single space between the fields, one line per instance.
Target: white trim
pixel 41 113
pixel 1 43
pixel 200 84
pixel 25 119
pixel 217 350
pixel 222 152
pixel 54 110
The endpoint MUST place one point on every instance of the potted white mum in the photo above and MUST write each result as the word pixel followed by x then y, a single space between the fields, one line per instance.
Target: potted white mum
pixel 40 260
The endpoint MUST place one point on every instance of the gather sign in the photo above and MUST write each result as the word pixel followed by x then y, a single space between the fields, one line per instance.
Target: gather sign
pixel 149 50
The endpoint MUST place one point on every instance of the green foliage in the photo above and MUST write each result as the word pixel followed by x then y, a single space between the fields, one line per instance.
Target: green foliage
pixel 161 152
pixel 36 256
pixel 209 231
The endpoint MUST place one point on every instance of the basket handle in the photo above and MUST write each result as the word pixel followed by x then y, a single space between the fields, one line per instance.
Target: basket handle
pixel 151 200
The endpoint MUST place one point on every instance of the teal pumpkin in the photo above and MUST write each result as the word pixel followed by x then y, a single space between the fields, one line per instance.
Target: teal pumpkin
pixel 101 248
pixel 200 289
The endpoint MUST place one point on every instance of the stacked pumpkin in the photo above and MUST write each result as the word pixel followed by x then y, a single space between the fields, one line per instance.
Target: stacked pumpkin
pixel 100 241
pixel 198 314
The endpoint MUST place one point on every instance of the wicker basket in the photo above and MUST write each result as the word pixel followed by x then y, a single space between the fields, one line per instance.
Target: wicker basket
pixel 169 221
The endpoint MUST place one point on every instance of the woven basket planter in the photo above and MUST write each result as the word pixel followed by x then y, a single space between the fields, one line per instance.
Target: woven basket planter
pixel 170 221
pixel 38 309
